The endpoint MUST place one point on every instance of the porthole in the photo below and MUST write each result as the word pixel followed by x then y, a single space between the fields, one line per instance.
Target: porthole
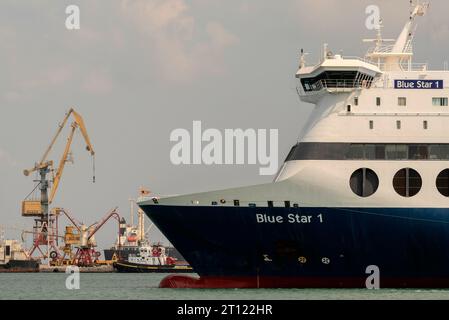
pixel 364 182
pixel 407 182
pixel 443 182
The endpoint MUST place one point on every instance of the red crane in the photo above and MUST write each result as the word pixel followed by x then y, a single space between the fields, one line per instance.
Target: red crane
pixel 86 255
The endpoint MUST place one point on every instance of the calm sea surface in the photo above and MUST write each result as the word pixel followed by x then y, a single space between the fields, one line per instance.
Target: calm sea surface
pixel 145 286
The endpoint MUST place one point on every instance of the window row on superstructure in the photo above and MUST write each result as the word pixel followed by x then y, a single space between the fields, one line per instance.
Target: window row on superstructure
pixel 425 124
pixel 368 151
pixel 402 101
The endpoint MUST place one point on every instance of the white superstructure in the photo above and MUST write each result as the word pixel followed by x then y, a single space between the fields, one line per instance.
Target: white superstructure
pixel 149 255
pixel 378 135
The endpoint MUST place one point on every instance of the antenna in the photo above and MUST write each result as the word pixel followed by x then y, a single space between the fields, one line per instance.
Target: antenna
pixel 379 38
pixel 302 59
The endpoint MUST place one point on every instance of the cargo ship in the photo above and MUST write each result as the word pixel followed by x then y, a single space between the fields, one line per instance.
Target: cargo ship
pixel 131 240
pixel 365 187
pixel 13 258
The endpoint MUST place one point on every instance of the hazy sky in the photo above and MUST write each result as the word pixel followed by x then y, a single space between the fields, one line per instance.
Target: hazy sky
pixel 138 69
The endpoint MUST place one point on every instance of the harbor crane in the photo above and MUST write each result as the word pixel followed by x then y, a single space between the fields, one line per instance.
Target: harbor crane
pixel 86 255
pixel 45 231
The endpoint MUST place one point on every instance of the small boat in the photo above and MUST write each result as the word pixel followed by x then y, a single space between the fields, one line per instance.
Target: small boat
pixel 151 259
pixel 13 258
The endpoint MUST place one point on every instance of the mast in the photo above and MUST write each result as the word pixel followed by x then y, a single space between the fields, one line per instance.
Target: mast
pixel 406 34
pixel 393 57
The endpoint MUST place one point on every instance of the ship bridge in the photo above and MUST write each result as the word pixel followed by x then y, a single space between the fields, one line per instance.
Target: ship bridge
pixel 335 74
pixel 338 74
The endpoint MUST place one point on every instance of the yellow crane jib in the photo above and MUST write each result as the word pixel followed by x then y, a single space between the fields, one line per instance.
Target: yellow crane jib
pixel 35 208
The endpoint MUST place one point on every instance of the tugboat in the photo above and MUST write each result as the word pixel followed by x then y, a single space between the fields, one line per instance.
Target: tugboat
pixel 13 258
pixel 151 259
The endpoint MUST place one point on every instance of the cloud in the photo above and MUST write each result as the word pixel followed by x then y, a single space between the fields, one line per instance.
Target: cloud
pixel 220 37
pixel 6 158
pixel 337 14
pixel 52 76
pixel 309 10
pixel 97 82
pixel 440 32
pixel 182 49
pixel 11 96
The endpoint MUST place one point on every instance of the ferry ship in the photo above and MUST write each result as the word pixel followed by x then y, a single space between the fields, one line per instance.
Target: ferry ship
pixel 366 185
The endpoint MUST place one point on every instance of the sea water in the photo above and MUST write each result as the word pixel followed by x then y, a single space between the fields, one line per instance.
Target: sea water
pixel 109 286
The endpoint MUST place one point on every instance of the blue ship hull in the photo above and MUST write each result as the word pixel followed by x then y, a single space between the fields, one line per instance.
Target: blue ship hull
pixel 309 247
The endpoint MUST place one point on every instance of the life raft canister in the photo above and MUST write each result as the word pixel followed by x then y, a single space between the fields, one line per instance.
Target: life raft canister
pixel 132 237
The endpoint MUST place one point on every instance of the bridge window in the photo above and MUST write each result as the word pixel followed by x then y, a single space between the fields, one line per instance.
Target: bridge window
pixel 443 182
pixel 407 182
pixel 441 102
pixel 364 182
pixel 402 101
pixel 336 79
pixel 356 101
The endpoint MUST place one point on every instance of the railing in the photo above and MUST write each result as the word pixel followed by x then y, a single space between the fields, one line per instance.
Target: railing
pixel 388 48
pixel 403 66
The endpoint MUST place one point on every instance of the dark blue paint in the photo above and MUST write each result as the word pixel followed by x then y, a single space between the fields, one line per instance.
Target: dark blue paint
pixel 228 241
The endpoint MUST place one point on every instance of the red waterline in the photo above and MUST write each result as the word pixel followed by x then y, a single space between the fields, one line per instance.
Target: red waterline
pixel 184 281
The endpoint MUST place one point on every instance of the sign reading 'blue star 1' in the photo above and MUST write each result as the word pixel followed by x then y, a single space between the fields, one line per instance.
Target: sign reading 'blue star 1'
pixel 418 84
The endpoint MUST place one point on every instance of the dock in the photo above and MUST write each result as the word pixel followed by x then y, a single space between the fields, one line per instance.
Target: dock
pixel 96 269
